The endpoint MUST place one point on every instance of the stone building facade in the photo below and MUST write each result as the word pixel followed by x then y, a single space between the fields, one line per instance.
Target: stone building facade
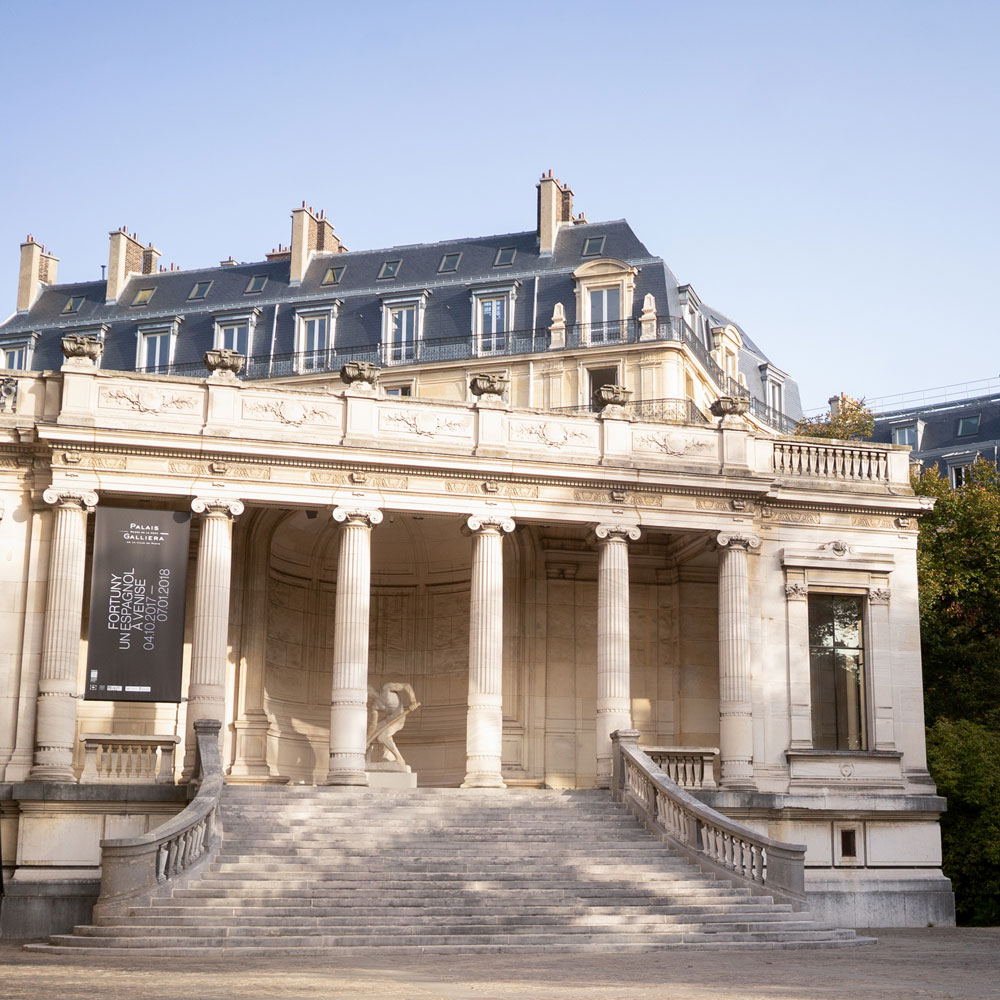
pixel 530 475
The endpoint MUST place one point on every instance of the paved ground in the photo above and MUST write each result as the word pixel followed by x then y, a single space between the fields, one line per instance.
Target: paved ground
pixel 939 962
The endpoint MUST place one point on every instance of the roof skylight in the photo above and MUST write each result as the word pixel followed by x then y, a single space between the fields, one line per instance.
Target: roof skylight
pixel 334 274
pixel 968 425
pixel 449 262
pixel 593 246
pixel 389 269
pixel 73 304
pixel 143 296
pixel 200 289
pixel 504 257
pixel 256 284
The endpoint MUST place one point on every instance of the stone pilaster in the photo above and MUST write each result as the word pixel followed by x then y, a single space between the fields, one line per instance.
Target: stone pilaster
pixel 55 718
pixel 735 706
pixel 349 693
pixel 614 700
pixel 484 726
pixel 210 638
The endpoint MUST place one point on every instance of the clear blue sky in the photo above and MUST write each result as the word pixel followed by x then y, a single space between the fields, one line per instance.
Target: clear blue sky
pixel 824 172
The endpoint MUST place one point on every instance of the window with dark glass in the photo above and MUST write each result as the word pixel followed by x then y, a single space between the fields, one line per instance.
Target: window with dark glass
pixel 200 289
pixel 256 284
pixel 73 304
pixel 593 246
pixel 504 257
pixel 156 350
pixel 389 269
pixel 905 435
pixel 143 296
pixel 837 672
pixel 968 425
pixel 492 324
pixel 449 262
pixel 605 315
pixel 235 337
pixel 402 333
pixel 334 274
pixel 14 357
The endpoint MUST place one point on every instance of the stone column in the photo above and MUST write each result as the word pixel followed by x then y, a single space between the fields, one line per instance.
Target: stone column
pixel 210 633
pixel 349 694
pixel 614 701
pixel 484 725
pixel 735 706
pixel 55 718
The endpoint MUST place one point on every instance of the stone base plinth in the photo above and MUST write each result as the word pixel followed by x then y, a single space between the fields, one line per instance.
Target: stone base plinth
pixel 392 779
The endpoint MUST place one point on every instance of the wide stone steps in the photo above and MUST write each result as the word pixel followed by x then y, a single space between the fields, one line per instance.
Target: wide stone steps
pixel 311 871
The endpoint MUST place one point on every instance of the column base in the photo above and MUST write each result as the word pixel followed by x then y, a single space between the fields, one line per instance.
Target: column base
pixel 346 778
pixel 483 781
pixel 52 772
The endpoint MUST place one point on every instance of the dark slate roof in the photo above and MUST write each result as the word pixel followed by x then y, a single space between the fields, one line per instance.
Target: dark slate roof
pixel 543 281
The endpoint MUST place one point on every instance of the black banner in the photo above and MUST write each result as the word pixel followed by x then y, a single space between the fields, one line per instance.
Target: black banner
pixel 136 636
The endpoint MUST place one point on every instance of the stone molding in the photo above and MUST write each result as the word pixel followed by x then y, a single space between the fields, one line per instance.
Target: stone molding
pixel 624 532
pixel 737 540
pixel 368 516
pixel 796 592
pixel 879 595
pixel 82 499
pixel 485 522
pixel 217 506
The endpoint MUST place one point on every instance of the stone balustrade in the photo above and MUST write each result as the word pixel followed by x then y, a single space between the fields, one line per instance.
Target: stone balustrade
pixel 689 767
pixel 838 461
pixel 730 849
pixel 128 760
pixel 133 867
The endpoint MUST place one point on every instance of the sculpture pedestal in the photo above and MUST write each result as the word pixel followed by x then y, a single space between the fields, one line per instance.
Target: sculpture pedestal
pixel 390 775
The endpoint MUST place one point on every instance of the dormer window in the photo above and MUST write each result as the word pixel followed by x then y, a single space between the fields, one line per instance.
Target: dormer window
pixel 449 262
pixel 389 269
pixel 593 246
pixel 73 304
pixel 143 296
pixel 906 434
pixel 334 274
pixel 968 425
pixel 505 257
pixel 15 356
pixel 200 289
pixel 256 284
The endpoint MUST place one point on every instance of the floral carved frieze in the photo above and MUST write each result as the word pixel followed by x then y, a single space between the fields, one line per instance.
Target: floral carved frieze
pixel 552 434
pixel 784 516
pixel 148 400
pixel 727 506
pixel 630 497
pixel 869 521
pixel 220 469
pixel 512 491
pixel 375 482
pixel 290 412
pixel 426 424
pixel 672 443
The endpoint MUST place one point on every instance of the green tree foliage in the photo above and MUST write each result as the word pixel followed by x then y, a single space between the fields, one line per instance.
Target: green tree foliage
pixel 959 565
pixel 850 419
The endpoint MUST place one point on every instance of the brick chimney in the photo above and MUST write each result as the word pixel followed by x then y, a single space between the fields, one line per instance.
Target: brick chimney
pixel 150 258
pixel 555 206
pixel 37 268
pixel 312 233
pixel 126 257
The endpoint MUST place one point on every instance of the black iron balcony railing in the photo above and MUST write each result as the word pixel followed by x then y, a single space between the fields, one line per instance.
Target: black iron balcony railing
pixel 772 417
pixel 665 411
pixel 615 331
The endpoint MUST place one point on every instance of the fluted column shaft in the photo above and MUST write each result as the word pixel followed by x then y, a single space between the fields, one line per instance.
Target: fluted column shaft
pixel 735 705
pixel 210 633
pixel 484 724
pixel 614 700
pixel 55 719
pixel 349 692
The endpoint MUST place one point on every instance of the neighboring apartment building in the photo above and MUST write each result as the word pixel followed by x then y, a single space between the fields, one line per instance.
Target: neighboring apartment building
pixel 529 474
pixel 950 434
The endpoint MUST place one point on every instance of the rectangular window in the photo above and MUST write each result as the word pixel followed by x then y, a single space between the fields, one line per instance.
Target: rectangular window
pixel 905 435
pixel 399 390
pixel 256 284
pixel 15 357
pixel 605 315
pixel 504 257
pixel 200 289
pixel 389 269
pixel 968 425
pixel 73 304
pixel 315 343
pixel 402 333
pixel 599 377
pixel 776 396
pixel 333 275
pixel 235 337
pixel 143 296
pixel 837 672
pixel 155 351
pixel 593 246
pixel 493 325
pixel 449 262
pixel 959 473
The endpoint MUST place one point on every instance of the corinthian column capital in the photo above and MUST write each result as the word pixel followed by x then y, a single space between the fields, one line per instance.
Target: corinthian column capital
pixel 626 532
pixel 737 540
pixel 217 506
pixel 367 516
pixel 80 499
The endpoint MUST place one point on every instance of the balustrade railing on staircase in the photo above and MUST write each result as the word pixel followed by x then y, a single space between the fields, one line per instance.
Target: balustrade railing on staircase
pixel 134 867
pixel 689 767
pixel 713 841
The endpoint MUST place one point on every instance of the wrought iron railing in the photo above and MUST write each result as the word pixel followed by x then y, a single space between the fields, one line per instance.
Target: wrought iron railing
pixel 673 328
pixel 615 331
pixel 772 417
pixel 664 411
pixel 713 841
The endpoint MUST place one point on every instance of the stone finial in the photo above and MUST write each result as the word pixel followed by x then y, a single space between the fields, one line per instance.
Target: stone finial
pixel 80 347
pixel 730 406
pixel 224 362
pixel 647 320
pixel 488 385
pixel 557 328
pixel 360 374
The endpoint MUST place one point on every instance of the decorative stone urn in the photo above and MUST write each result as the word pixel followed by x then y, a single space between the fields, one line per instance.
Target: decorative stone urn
pixel 730 406
pixel 360 373
pixel 611 395
pixel 80 346
pixel 488 385
pixel 224 361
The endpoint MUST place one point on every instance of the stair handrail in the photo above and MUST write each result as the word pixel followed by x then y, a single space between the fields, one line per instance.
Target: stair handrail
pixel 137 866
pixel 717 844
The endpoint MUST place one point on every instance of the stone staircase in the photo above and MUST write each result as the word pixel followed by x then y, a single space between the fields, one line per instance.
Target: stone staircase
pixel 305 870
